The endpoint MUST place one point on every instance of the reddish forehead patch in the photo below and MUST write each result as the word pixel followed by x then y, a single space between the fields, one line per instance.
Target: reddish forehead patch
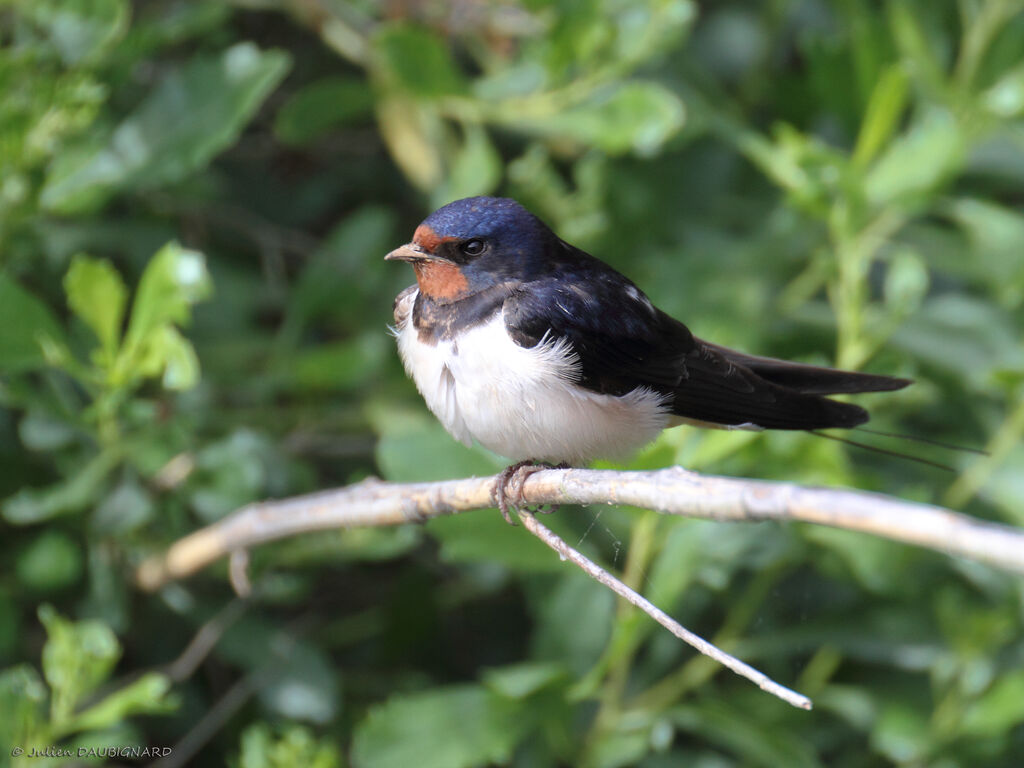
pixel 440 279
pixel 428 238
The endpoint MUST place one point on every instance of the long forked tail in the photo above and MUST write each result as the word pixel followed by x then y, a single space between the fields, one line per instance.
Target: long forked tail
pixel 810 379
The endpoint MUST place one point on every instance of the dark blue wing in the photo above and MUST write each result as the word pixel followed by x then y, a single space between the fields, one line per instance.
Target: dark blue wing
pixel 624 342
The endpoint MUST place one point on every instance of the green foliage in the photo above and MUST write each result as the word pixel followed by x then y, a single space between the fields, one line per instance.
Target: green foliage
pixel 295 745
pixel 78 658
pixel 836 182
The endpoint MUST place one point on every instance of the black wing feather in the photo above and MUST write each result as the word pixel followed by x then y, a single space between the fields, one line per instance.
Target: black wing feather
pixel 623 342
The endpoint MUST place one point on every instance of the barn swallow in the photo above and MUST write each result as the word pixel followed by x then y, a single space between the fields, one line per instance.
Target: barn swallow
pixel 540 352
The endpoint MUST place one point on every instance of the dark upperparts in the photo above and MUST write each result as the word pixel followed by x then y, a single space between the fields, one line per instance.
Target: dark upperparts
pixel 549 289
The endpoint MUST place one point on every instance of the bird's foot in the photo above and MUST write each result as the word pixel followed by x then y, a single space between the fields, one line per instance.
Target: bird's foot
pixel 508 490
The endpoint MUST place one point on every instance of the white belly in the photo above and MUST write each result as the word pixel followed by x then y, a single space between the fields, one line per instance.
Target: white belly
pixel 522 403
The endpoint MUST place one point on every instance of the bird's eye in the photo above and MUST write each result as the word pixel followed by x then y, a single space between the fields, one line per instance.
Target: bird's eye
pixel 473 247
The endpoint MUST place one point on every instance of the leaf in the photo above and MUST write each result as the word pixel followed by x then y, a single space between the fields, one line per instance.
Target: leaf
pixel 901 733
pixel 126 508
pixel 296 746
pixel 98 296
pixel 175 279
pixel 24 321
pixel 411 132
pixel 411 59
pixel 455 727
pixel 192 115
pixel 22 696
pixel 487 538
pixel 321 107
pixel 298 680
pixel 51 561
pixel 77 657
pixel 906 281
pixel 146 695
pixel 476 169
pixel 995 233
pixel 520 681
pixel 1006 98
pixel 575 621
pixel 962 336
pixel 77 490
pixel 41 430
pixel 631 117
pixel 413 447
pixel 883 114
pixel 917 162
pixel 178 359
pixel 80 29
pixel 759 742
pixel 999 709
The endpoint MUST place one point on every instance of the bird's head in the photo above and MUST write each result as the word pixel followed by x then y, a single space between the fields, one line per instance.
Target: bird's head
pixel 472 244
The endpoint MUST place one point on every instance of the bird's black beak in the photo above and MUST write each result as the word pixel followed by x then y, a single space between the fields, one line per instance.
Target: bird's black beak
pixel 412 252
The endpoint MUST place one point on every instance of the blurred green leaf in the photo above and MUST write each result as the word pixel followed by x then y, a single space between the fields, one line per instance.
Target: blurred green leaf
pixel 476 169
pixel 522 680
pixel 487 538
pixel 42 431
pixel 403 731
pixel 302 684
pixel 321 107
pixel 883 114
pixel 285 747
pixel 81 29
pixel 172 353
pixel 52 561
pixel 146 695
pixel 24 320
pixel 999 709
pixel 755 743
pixel 22 697
pixel 963 337
pixel 78 490
pixel 174 280
pixel 916 162
pixel 192 115
pixel 98 296
pixel 77 657
pixel 901 733
pixel 906 281
pixel 296 678
pixel 410 58
pixel 127 507
pixel 876 563
pixel 1006 98
pixel 230 472
pixel 575 616
pixel 413 447
pixel 632 117
pixel 995 233
pixel 412 132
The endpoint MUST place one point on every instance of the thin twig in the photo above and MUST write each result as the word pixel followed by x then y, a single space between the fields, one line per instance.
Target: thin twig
pixel 204 641
pixel 596 572
pixel 672 491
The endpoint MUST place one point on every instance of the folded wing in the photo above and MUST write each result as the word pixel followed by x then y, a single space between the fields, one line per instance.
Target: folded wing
pixel 637 345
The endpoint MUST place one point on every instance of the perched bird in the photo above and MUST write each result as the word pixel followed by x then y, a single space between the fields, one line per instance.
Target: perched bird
pixel 542 353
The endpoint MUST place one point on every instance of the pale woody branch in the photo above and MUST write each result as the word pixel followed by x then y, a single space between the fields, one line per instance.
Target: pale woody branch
pixel 672 491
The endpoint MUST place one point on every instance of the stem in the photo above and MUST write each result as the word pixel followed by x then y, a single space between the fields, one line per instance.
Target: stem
pixel 625 639
pixel 1005 440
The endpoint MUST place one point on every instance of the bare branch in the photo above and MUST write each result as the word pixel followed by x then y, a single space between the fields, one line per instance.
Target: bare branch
pixel 596 572
pixel 669 491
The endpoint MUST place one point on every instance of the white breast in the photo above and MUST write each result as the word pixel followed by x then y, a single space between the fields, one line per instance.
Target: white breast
pixel 523 403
